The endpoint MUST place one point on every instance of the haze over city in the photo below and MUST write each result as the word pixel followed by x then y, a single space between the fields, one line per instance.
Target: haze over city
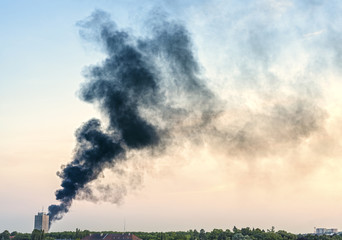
pixel 237 105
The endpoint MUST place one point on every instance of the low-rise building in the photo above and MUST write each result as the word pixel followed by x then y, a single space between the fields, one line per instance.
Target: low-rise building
pixel 112 236
pixel 326 231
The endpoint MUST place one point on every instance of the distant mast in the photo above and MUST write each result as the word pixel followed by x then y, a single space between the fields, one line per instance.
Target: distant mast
pixel 124 225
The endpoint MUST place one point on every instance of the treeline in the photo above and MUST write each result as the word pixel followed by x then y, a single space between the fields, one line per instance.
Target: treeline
pixel 216 234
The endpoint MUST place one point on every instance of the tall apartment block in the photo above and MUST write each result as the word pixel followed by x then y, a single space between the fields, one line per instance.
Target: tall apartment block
pixel 41 222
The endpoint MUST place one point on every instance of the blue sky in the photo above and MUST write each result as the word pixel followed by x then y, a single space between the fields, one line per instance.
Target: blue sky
pixel 276 66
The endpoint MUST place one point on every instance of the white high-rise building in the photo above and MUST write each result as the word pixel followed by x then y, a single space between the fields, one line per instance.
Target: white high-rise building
pixel 41 222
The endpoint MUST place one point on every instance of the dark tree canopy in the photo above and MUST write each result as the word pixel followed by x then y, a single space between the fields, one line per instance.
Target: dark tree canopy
pixel 216 234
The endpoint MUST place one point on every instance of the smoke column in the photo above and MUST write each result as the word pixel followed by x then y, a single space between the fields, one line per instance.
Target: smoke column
pixel 144 88
pixel 152 97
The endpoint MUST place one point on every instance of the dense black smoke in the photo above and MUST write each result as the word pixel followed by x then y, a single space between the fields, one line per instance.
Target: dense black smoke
pixel 95 150
pixel 144 87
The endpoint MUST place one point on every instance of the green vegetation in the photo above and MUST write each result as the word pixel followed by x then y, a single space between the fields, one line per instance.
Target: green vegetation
pixel 5 235
pixel 37 235
pixel 216 234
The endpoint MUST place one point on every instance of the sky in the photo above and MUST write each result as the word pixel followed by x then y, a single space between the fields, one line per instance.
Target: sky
pixel 263 150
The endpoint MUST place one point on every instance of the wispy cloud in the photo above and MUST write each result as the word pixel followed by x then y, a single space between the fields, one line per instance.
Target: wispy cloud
pixel 314 34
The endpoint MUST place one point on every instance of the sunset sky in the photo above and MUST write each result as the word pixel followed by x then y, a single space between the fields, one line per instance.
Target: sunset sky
pixel 270 155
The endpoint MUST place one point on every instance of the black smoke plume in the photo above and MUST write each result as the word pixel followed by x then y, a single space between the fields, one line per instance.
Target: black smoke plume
pixel 144 87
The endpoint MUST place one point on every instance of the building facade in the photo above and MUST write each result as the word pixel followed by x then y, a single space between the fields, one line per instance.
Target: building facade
pixel 41 222
pixel 326 231
pixel 112 236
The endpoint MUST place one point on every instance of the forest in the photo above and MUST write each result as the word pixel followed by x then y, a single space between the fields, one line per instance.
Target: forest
pixel 216 234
